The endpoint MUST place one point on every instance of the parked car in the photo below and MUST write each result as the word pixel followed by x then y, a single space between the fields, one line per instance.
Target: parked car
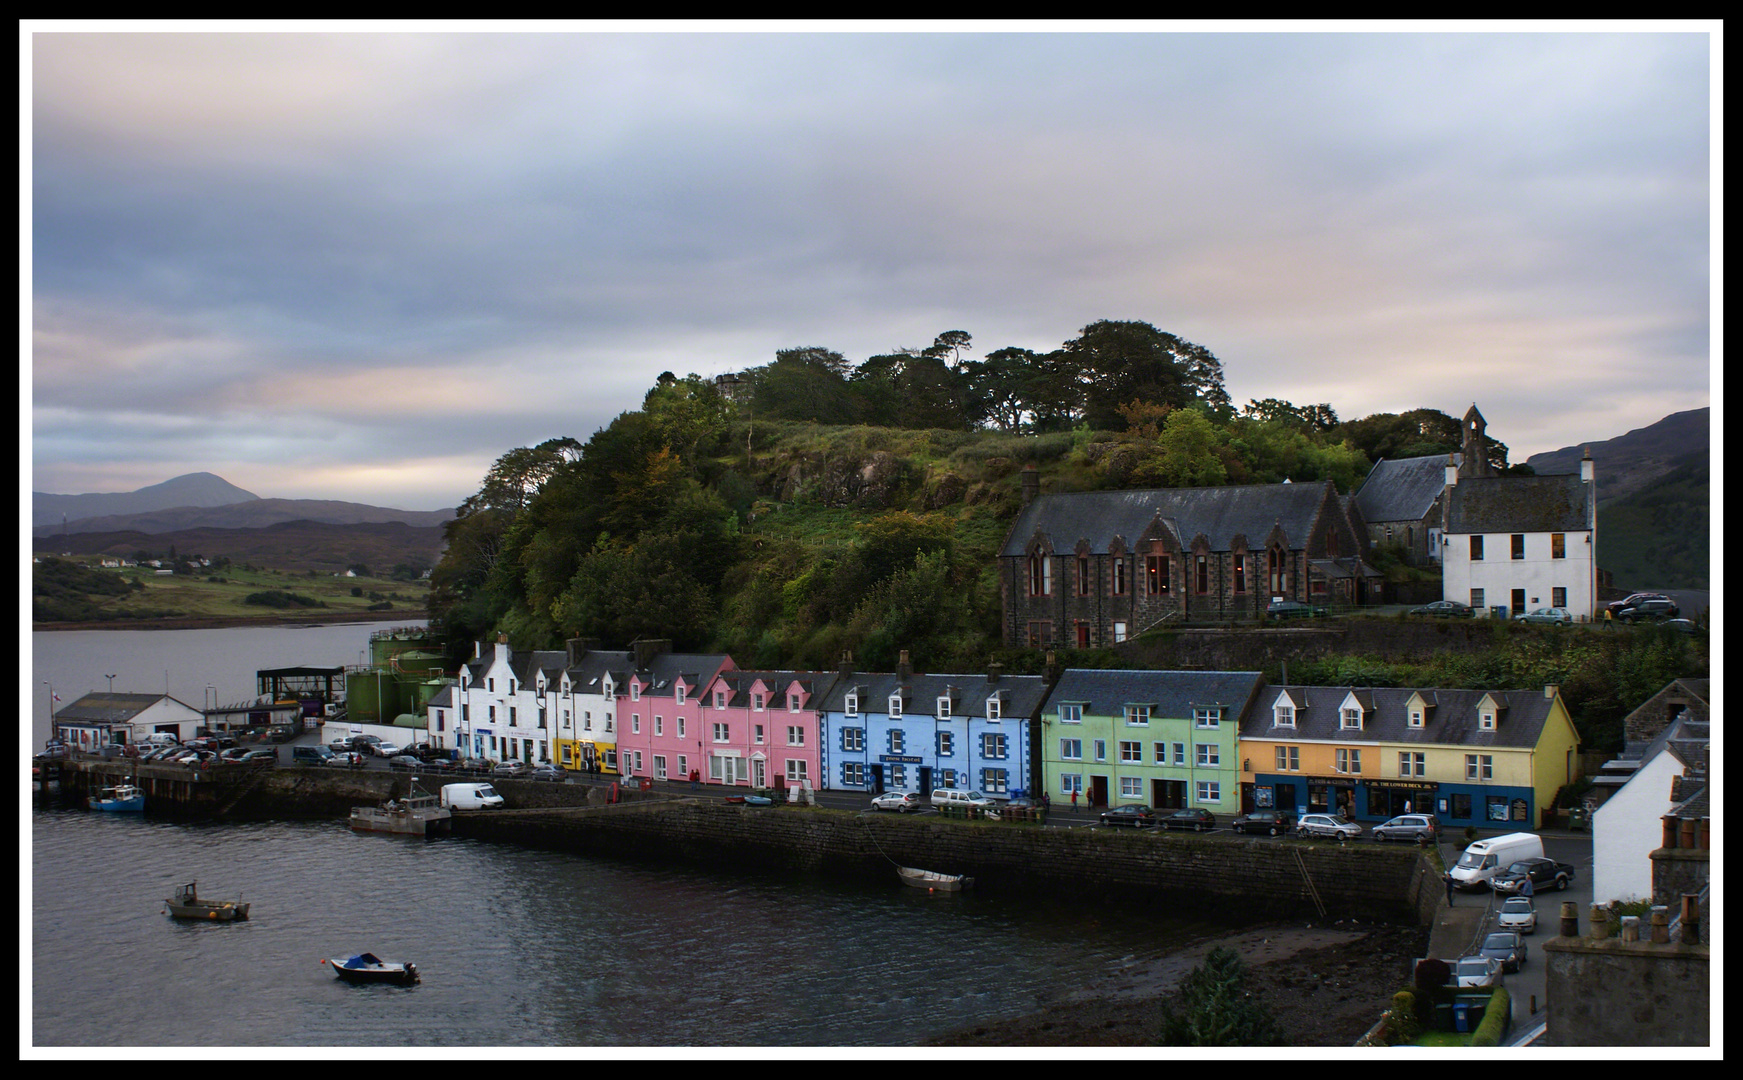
pixel 1681 626
pixel 340 745
pixel 350 759
pixel 1295 609
pixel 1549 616
pixel 1505 946
pixel 1418 827
pixel 1544 874
pixel 385 749
pixel 363 743
pixel 1136 815
pixel 404 763
pixel 1649 609
pixel 235 753
pixel 1195 818
pixel 1327 825
pixel 258 757
pixel 1517 914
pixel 901 802
pixel 513 768
pixel 1269 822
pixel 1617 606
pixel 1444 609
pixel 550 772
pixel 1477 971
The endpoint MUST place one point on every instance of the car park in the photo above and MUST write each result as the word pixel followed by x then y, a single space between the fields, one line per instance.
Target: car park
pixel 1444 609
pixel 1517 914
pixel 1295 609
pixel 364 744
pixel 1193 817
pixel 513 768
pixel 1418 827
pixel 1543 873
pixel 235 753
pixel 550 773
pixel 1547 616
pixel 1335 825
pixel 1269 822
pixel 1477 972
pixel 1136 815
pixel 1507 947
pixel 902 802
pixel 1650 609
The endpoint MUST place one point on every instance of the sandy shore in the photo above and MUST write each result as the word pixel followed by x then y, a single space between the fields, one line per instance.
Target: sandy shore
pixel 1326 985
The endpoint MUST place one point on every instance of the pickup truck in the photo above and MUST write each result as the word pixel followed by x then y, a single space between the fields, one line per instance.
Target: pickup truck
pixel 1543 874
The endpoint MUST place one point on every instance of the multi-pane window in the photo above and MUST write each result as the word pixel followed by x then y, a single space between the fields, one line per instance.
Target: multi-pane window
pixel 757 700
pixel 943 706
pixel 853 773
pixel 635 723
pixel 1201 573
pixel 720 699
pixel 1477 599
pixel 1284 716
pixel 898 744
pixel 1416 718
pixel 1138 714
pixel 1119 631
pixel 853 739
pixel 1179 753
pixel 1476 549
pixel 1209 755
pixel 659 766
pixel 1082 576
pixel 1240 573
pixel 898 776
pixel 1207 717
pixel 1486 720
pixel 796 770
pixel 1479 767
pixel 1352 718
pixel 1161 751
pixel 678 693
pixel 793 702
pixel 1101 750
pixel 946 743
pixel 994 781
pixel 1156 574
pixel 1131 787
pixel 1071 714
pixel 1040 575
pixel 993 707
pixel 659 725
pixel 1119 576
pixel 1070 782
pixel 757 734
pixel 680 727
pixel 1558 545
pixel 795 736
pixel 1209 791
pixel 722 733
pixel 992 746
pixel 895 704
pixel 1132 751
pixel 1349 760
pixel 1289 759
pixel 1071 749
pixel 1411 763
pixel 851 705
pixel 1558 596
pixel 1518 545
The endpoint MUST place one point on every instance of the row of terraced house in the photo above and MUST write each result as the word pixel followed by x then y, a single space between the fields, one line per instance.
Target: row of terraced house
pixel 1228 742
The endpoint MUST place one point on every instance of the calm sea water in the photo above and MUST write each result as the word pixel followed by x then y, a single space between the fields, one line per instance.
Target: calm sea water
pixel 518 948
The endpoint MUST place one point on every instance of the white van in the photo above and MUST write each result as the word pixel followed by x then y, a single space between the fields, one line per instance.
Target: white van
pixel 942 797
pixel 1486 858
pixel 159 738
pixel 470 797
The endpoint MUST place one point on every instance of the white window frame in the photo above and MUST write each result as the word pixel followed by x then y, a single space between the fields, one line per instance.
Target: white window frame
pixel 1070 749
pixel 796 770
pixel 850 706
pixel 946 744
pixel 1210 791
pixel 1137 716
pixel 1207 717
pixel 1071 713
pixel 1350 719
pixel 1283 716
pixel 943 707
pixel 795 735
pixel 1131 787
pixel 853 740
pixel 895 705
pixel 722 733
pixel 1209 755
pixel 1131 752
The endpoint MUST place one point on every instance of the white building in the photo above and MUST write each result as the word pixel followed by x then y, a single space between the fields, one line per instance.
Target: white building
pixel 1668 737
pixel 507 703
pixel 100 719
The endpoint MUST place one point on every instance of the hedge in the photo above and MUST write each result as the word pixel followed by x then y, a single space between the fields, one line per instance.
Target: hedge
pixel 1495 1018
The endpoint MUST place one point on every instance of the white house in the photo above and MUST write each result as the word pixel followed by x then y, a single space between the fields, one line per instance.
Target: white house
pixel 1629 825
pixel 98 719
pixel 507 703
pixel 1519 542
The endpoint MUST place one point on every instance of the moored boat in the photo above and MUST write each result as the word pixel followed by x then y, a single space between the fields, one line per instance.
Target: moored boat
pixel 418 814
pixel 120 799
pixel 929 879
pixel 186 904
pixel 369 968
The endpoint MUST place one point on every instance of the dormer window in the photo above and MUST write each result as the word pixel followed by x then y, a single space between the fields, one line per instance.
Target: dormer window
pixel 720 699
pixel 756 701
pixel 992 707
pixel 635 690
pixel 1138 715
pixel 851 705
pixel 1208 716
pixel 1283 715
pixel 1415 718
pixel 678 693
pixel 895 704
pixel 943 707
pixel 1352 719
pixel 794 701
pixel 1071 714
pixel 1486 720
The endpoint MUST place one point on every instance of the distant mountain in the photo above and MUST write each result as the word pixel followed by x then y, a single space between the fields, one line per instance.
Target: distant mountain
pixel 1654 501
pixel 194 489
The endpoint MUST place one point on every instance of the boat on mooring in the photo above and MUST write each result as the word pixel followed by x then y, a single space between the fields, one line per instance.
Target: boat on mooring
pixel 119 799
pixel 418 814
pixel 934 881
pixel 369 968
pixel 186 904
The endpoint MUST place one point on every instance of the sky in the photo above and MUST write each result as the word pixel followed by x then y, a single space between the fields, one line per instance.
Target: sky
pixel 331 264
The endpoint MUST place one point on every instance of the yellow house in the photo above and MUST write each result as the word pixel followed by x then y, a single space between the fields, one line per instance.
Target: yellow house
pixel 1492 759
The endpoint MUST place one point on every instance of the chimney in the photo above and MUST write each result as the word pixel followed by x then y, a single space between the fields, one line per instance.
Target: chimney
pixel 502 649
pixel 846 663
pixel 1588 468
pixel 904 670
pixel 648 648
pixel 993 671
pixel 1452 471
pixel 1031 480
pixel 1549 691
pixel 577 649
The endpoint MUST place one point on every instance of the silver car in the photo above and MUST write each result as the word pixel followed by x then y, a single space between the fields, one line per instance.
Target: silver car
pixel 1417 827
pixel 1517 914
pixel 900 801
pixel 1477 971
pixel 1327 825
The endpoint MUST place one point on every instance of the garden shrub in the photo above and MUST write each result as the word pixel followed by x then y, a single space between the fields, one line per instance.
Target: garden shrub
pixel 1495 1018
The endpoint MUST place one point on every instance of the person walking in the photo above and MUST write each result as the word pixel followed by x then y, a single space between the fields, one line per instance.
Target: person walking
pixel 1526 889
pixel 1449 890
pixel 1074 798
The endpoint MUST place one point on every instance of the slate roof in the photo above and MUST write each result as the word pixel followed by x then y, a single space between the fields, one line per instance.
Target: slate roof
pixel 1020 695
pixel 107 707
pixel 662 671
pixel 1451 718
pixel 1517 504
pixel 1220 513
pixel 1170 694
pixel 739 682
pixel 1403 489
pixel 443 698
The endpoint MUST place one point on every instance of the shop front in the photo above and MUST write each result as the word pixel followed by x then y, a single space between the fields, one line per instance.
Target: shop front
pixel 1486 807
pixel 1389 798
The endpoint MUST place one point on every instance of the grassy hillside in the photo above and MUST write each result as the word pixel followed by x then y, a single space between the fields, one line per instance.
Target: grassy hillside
pixel 1658 538
pixel 63 591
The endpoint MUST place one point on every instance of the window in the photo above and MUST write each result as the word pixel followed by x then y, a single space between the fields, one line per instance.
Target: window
pixel 994 781
pixel 1156 574
pixel 635 690
pixel 897 742
pixel 1201 573
pixel 680 727
pixel 1558 596
pixel 1416 718
pixel 1071 749
pixel 1477 599
pixel 1131 787
pixel 678 693
pixel 1349 760
pixel 1479 767
pixel 1138 715
pixel 1119 631
pixel 992 746
pixel 757 699
pixel 898 776
pixel 1040 575
pixel 1518 601
pixel 1119 575
pixel 587 721
pixel 1082 575
pixel 490 685
pixel 511 719
pixel 795 736
pixel 1070 782
pixel 793 702
pixel 1209 756
pixel 1284 716
pixel 946 744
pixel 1518 546
pixel 895 705
pixel 659 766
pixel 1071 714
pixel 943 706
pixel 1240 573
pixel 1476 549
pixel 659 725
pixel 851 705
pixel 1352 718
pixel 1289 759
pixel 1179 753
pixel 1461 804
pixel 853 773
pixel 721 733
pixel 993 707
pixel 1411 763
pixel 491 710
pixel 438 715
pixel 720 699
pixel 757 732
pixel 796 770
pixel 1101 750
pixel 1207 716
pixel 1041 632
pixel 635 723
pixel 853 739
pixel 1132 751
pixel 1209 791
pixel 1558 545
pixel 1486 719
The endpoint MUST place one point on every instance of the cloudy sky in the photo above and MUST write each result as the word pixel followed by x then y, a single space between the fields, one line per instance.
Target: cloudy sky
pixel 362 266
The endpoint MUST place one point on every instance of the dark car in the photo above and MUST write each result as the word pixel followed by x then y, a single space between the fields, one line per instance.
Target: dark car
pixel 258 758
pixel 553 773
pixel 1269 822
pixel 1655 607
pixel 1505 946
pixel 1294 609
pixel 1616 606
pixel 404 763
pixel 1543 873
pixel 1190 818
pixel 1444 609
pixel 1133 814
pixel 1681 626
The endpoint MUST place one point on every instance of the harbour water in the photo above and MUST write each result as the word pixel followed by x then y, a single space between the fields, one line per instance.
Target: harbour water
pixel 518 948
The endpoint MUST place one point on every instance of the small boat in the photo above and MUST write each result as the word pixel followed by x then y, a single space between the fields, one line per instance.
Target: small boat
pixel 931 880
pixel 418 814
pixel 750 800
pixel 186 904
pixel 369 968
pixel 120 799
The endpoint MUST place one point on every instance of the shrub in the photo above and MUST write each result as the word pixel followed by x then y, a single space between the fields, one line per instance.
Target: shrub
pixel 1495 1018
pixel 1217 1009
pixel 1402 1023
pixel 1432 973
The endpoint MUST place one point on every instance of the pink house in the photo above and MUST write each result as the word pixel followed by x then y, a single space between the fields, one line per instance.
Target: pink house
pixel 660 729
pixel 760 728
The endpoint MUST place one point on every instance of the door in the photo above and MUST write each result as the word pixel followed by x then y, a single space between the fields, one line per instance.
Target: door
pixel 1098 791
pixel 1168 794
pixel 877 779
pixel 759 771
pixel 925 779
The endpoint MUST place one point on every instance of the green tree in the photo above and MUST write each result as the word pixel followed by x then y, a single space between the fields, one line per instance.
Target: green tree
pixel 1188 444
pixel 1217 1009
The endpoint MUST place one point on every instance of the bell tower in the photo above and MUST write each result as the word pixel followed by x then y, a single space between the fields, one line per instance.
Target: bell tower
pixel 1476 451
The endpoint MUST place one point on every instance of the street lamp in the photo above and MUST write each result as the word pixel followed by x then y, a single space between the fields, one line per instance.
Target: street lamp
pixel 111 679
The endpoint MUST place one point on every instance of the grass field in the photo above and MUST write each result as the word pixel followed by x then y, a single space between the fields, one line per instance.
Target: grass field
pixel 223 594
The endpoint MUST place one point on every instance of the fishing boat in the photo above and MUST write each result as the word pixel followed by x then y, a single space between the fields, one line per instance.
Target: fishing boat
pixel 369 968
pixel 418 814
pixel 186 904
pixel 931 880
pixel 120 799
pixel 750 800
